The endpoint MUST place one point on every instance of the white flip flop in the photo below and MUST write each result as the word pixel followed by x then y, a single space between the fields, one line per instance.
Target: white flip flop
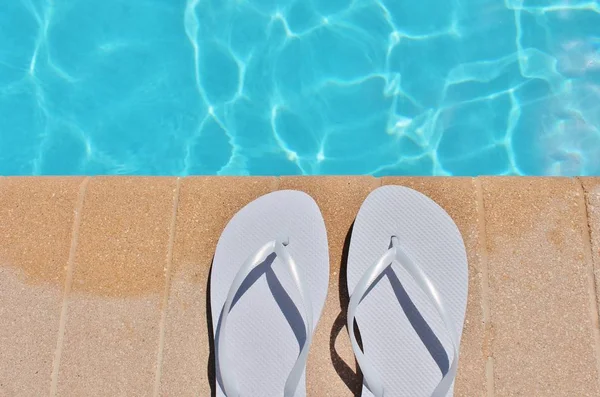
pixel 268 283
pixel 408 281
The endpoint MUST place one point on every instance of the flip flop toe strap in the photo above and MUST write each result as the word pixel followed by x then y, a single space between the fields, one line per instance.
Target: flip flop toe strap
pixel 229 381
pixel 395 255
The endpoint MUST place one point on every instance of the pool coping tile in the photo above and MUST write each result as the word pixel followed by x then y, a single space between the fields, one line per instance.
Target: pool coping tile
pixel 114 305
pixel 38 222
pixel 538 263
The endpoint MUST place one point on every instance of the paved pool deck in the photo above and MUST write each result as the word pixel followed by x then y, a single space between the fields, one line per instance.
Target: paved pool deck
pixel 103 282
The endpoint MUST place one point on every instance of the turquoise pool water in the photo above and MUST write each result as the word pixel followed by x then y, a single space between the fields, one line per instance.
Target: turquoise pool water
pixel 427 87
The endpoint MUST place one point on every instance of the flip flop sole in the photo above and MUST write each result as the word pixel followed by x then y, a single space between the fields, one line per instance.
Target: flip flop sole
pixel 401 332
pixel 265 327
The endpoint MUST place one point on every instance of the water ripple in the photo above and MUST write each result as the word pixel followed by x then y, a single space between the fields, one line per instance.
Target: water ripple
pixel 252 87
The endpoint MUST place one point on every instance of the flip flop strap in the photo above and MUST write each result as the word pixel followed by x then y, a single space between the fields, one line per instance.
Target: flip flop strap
pixel 228 377
pixel 396 255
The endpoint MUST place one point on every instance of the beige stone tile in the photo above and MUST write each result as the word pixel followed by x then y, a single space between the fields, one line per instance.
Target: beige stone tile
pixel 331 367
pixel 540 304
pixel 591 187
pixel 36 221
pixel 537 243
pixel 112 328
pixel 206 204
pixel 458 196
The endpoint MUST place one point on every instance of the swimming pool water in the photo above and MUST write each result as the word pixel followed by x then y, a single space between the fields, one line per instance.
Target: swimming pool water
pixel 427 87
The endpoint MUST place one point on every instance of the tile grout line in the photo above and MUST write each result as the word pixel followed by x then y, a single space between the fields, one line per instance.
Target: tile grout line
pixel 68 285
pixel 485 289
pixel 166 292
pixel 591 277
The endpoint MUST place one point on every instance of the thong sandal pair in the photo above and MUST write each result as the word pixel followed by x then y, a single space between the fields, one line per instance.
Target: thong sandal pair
pixel 407 280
